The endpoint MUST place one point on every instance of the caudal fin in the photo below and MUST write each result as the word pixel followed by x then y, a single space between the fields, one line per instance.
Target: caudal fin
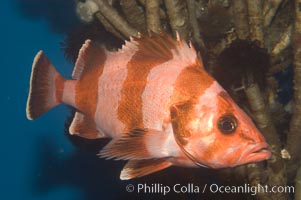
pixel 46 87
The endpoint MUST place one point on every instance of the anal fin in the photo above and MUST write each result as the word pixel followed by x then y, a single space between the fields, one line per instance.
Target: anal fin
pixel 138 168
pixel 83 126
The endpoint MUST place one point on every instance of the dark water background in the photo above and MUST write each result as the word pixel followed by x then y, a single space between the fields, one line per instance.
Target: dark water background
pixel 26 28
pixel 38 160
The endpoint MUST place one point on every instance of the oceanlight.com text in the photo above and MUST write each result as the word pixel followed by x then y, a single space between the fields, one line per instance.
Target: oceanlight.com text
pixel 190 188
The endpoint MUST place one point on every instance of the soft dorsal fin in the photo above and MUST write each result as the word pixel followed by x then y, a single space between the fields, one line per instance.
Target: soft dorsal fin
pixel 162 44
pixel 90 56
pixel 135 145
pixel 138 168
pixel 85 127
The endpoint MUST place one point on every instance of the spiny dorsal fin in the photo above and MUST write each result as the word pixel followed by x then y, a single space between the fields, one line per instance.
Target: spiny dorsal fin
pixel 154 46
pixel 130 146
pixel 138 168
pixel 161 46
pixel 85 127
pixel 90 56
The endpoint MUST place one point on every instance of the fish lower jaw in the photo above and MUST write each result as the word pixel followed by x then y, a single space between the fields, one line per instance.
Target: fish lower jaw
pixel 257 153
pixel 260 155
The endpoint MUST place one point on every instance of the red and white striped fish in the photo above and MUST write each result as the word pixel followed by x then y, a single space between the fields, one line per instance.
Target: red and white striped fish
pixel 157 103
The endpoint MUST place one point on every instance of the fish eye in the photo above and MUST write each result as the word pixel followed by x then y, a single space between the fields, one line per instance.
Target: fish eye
pixel 227 124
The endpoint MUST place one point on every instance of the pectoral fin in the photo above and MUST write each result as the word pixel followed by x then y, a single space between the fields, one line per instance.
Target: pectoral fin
pixel 136 145
pixel 138 168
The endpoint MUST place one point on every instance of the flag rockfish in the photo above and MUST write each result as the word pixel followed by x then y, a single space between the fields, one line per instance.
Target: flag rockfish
pixel 157 103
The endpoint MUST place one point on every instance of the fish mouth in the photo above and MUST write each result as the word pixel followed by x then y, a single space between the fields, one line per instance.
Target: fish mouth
pixel 256 153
